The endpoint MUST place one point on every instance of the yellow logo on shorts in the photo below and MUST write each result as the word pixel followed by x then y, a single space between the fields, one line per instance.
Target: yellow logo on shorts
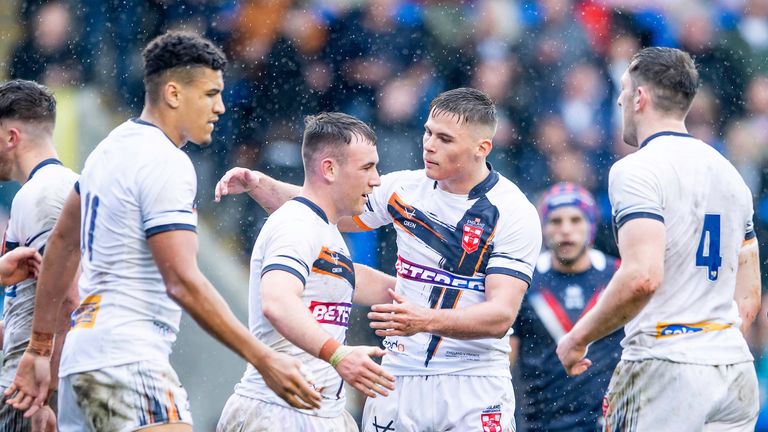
pixel 85 314
pixel 665 330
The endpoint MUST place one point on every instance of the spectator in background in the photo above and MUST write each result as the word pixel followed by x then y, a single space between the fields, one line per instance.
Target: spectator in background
pixel 570 276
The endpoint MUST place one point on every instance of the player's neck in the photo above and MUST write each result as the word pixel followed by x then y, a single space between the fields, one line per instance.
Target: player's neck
pixel 322 199
pixel 659 124
pixel 461 185
pixel 580 265
pixel 164 122
pixel 30 158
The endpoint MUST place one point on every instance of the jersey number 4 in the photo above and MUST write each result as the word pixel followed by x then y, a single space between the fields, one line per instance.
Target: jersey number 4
pixel 89 224
pixel 708 252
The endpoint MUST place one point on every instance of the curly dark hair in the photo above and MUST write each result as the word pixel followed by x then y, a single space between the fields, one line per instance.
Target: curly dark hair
pixel 671 74
pixel 27 101
pixel 178 53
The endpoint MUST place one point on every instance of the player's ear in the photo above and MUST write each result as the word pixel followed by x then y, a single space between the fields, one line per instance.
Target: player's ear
pixel 328 169
pixel 172 94
pixel 640 98
pixel 484 148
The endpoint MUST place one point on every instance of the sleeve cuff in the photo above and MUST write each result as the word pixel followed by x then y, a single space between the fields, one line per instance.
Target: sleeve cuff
pixel 284 268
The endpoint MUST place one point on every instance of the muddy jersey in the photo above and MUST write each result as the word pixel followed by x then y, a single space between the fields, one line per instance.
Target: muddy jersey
pixel 706 209
pixel 134 185
pixel 447 244
pixel 34 212
pixel 298 239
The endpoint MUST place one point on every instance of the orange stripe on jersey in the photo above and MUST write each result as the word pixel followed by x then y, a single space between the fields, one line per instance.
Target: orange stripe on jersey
pixel 360 223
pixel 485 249
pixel 437 302
pixel 397 203
pixel 402 227
pixel 328 255
pixel 456 301
pixel 173 413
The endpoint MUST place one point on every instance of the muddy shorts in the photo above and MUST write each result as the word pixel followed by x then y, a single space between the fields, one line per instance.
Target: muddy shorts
pixel 661 396
pixel 443 403
pixel 122 398
pixel 243 414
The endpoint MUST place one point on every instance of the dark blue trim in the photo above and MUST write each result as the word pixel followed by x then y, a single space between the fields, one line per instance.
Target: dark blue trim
pixel 34 237
pixel 303 264
pixel 146 123
pixel 664 133
pixel 77 187
pixel 487 184
pixel 169 227
pixel 9 246
pixel 750 235
pixel 509 272
pixel 315 208
pixel 50 161
pixel 638 215
pixel 285 268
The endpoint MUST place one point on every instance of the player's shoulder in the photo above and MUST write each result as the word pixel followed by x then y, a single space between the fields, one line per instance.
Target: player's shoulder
pixel 405 177
pixel 300 213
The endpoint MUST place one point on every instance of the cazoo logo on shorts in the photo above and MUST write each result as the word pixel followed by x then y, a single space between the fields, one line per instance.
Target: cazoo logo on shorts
pixel 394 345
pixel 331 313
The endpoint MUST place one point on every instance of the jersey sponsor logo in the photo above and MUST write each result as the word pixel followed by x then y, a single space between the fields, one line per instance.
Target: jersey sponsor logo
pixel 472 232
pixel 416 272
pixel 490 419
pixel 665 330
pixel 334 264
pixel 331 313
pixel 394 345
pixel 85 314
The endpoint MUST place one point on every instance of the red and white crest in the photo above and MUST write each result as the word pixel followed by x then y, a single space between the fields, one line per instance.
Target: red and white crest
pixel 470 238
pixel 491 422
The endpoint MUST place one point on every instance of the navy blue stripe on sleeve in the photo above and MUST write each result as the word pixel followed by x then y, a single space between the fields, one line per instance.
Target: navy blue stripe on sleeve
pixel 284 268
pixel 750 235
pixel 638 215
pixel 169 227
pixel 303 264
pixel 9 246
pixel 77 187
pixel 509 272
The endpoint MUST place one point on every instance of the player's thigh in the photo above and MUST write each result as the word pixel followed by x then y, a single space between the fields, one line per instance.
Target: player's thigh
pixel 739 406
pixel 399 411
pixel 476 403
pixel 659 396
pixel 130 397
pixel 244 414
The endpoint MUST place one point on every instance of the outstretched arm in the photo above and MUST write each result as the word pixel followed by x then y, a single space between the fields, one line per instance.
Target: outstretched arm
pixel 642 243
pixel 175 253
pixel 282 306
pixel 489 319
pixel 747 294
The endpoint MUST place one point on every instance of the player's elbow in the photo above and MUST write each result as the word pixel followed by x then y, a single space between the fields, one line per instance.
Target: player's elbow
pixel 644 283
pixel 501 328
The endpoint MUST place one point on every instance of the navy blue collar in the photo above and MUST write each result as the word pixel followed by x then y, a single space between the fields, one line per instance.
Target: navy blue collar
pixel 664 133
pixel 315 208
pixel 146 123
pixel 484 186
pixel 50 161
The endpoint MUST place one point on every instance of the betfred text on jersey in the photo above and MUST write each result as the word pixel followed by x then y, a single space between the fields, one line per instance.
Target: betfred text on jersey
pixel 415 272
pixel 331 313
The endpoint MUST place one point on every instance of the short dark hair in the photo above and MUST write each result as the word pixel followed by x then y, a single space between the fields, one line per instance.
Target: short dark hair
pixel 467 104
pixel 331 133
pixel 27 101
pixel 178 51
pixel 671 74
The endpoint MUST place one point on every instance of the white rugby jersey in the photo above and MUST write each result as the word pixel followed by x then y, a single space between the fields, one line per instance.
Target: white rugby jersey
pixel 446 245
pixel 298 238
pixel 135 184
pixel 706 209
pixel 34 212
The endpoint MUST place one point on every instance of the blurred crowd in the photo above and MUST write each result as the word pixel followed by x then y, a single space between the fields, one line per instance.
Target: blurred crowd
pixel 552 66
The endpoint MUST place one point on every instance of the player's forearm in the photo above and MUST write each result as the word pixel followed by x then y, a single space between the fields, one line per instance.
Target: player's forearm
pixel 747 293
pixel 292 319
pixel 204 304
pixel 627 294
pixel 271 193
pixel 483 320
pixel 371 286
